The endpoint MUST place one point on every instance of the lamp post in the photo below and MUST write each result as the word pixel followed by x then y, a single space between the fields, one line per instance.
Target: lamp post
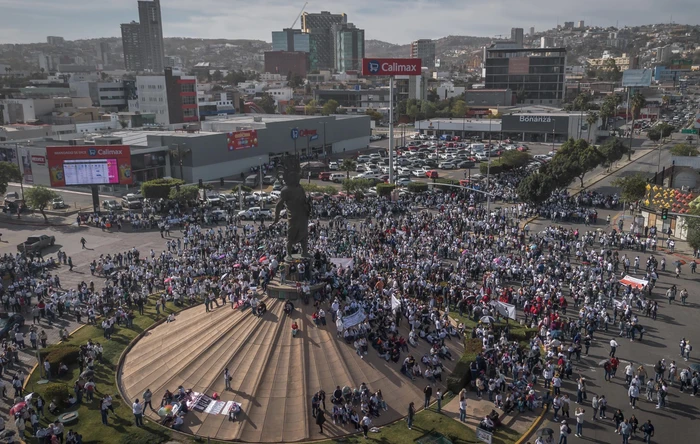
pixel 21 170
pixel 488 172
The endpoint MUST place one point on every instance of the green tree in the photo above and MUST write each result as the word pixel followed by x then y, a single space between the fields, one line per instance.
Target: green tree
pixel 217 76
pixel 536 188
pixel 329 107
pixel 610 71
pixel 459 109
pixel 374 115
pixel 428 109
pixel 39 197
pixel 348 165
pixel 267 103
pixel 581 102
pixel 665 129
pixel 591 119
pixel 515 159
pixel 684 150
pixel 412 111
pixel 433 95
pixel 294 80
pixel 186 194
pixel 291 110
pixel 632 188
pixel 9 172
pixel 654 135
pixel 310 108
pixel 575 158
pixel 613 150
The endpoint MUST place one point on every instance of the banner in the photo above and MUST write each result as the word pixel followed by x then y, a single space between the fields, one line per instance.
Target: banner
pixel 483 436
pixel 395 303
pixel 26 162
pixel 633 282
pixel 354 319
pixel 505 310
pixel 239 140
pixel 342 262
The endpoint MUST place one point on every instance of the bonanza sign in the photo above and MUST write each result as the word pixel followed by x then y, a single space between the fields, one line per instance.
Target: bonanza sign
pixel 239 140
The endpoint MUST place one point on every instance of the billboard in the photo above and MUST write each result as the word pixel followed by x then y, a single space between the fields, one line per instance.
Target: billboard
pixel 697 120
pixel 239 140
pixel 89 165
pixel 636 78
pixel 533 123
pixel 391 67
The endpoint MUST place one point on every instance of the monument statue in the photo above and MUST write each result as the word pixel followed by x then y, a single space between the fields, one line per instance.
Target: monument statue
pixel 298 207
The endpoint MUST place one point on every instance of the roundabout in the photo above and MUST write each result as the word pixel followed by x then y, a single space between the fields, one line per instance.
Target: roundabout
pixel 273 374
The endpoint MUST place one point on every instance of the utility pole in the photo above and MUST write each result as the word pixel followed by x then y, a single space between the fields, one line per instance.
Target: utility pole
pixel 21 170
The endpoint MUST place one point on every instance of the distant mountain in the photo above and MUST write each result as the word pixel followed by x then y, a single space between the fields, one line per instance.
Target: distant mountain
pixel 445 47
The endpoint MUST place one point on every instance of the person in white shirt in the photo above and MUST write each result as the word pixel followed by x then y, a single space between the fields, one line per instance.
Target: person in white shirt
pixel 137 409
pixel 613 347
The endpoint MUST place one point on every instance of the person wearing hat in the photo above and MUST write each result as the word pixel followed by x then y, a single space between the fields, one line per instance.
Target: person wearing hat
pixel 564 431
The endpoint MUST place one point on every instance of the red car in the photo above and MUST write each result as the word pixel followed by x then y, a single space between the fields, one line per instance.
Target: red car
pixel 523 148
pixel 324 175
pixel 431 174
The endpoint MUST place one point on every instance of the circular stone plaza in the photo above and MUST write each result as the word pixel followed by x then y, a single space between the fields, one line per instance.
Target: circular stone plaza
pixel 274 374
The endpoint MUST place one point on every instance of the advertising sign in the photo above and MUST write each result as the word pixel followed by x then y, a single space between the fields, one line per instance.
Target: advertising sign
pixel 484 436
pixel 636 78
pixel 39 160
pixel 697 120
pixel 239 140
pixel 89 165
pixel 26 161
pixel 534 123
pixel 391 67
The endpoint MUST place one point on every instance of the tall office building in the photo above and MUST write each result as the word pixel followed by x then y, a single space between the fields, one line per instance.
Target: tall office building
pixel 149 42
pixel 424 49
pixel 348 47
pixel 131 41
pixel 321 39
pixel 532 31
pixel 292 40
pixel 516 35
pixel 537 73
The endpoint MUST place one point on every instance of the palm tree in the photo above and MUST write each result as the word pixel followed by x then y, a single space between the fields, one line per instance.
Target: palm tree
pixel 591 119
pixel 638 102
pixel 347 166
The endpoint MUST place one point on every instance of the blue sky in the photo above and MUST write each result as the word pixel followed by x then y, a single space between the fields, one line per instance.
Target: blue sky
pixel 25 21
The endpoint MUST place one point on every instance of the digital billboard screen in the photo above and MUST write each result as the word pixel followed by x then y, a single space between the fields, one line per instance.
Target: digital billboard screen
pixel 89 165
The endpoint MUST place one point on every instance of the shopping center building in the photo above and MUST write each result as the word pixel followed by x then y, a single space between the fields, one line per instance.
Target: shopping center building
pixel 219 148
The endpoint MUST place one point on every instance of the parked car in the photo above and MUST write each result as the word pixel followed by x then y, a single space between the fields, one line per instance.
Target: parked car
pixel 432 174
pixel 255 213
pixel 419 172
pixel 228 198
pixel 36 243
pixel 333 166
pixel 268 180
pixel 447 166
pixel 324 175
pixel 212 198
pixel 466 164
pixel 403 181
pixel 277 185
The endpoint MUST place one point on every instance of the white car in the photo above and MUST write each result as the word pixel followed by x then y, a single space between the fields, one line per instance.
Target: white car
pixel 420 172
pixel 275 194
pixel 447 166
pixel 481 157
pixel 333 166
pixel 403 181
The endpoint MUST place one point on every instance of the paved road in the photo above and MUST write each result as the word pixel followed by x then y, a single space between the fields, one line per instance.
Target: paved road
pixel 672 423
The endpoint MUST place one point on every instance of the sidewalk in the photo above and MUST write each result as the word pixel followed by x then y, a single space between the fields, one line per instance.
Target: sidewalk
pixel 477 409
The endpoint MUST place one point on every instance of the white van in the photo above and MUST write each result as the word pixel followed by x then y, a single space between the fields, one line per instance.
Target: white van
pixel 337 177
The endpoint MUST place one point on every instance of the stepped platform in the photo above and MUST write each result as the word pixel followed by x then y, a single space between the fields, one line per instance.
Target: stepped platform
pixel 274 375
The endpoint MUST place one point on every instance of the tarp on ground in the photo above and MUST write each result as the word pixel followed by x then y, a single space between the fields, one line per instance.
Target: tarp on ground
pixel 633 282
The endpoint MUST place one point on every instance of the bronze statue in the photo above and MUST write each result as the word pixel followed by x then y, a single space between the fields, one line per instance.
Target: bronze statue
pixel 298 207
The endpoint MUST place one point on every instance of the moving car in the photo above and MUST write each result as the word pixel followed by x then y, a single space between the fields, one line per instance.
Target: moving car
pixel 58 204
pixel 324 175
pixel 36 243
pixel 447 166
pixel 432 174
pixel 403 181
pixel 132 201
pixel 419 172
pixel 337 177
pixel 212 198
pixel 111 205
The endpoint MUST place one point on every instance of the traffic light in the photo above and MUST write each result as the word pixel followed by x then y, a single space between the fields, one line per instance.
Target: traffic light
pixel 201 184
pixel 177 187
pixel 222 181
pixel 664 214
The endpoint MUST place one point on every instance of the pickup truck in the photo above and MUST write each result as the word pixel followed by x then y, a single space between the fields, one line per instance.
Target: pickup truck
pixel 36 243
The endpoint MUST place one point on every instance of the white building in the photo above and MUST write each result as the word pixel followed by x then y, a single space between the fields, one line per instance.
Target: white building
pixel 153 97
pixel 448 90
pixel 103 94
pixel 25 110
pixel 278 94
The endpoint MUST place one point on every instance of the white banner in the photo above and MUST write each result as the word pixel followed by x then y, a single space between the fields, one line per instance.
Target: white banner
pixel 354 319
pixel 505 310
pixel 342 262
pixel 483 436
pixel 395 303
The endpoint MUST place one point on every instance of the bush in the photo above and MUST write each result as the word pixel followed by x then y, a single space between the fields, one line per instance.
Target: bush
pixel 461 375
pixel 143 436
pixel 446 181
pixel 244 189
pixel 385 189
pixel 159 188
pixel 417 187
pixel 58 392
pixel 496 167
pixel 68 354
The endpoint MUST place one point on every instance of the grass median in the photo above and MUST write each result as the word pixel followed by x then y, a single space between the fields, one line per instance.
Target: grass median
pixel 121 429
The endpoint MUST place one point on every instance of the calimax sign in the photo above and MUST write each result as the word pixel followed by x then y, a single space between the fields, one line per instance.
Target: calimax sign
pixel 391 67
